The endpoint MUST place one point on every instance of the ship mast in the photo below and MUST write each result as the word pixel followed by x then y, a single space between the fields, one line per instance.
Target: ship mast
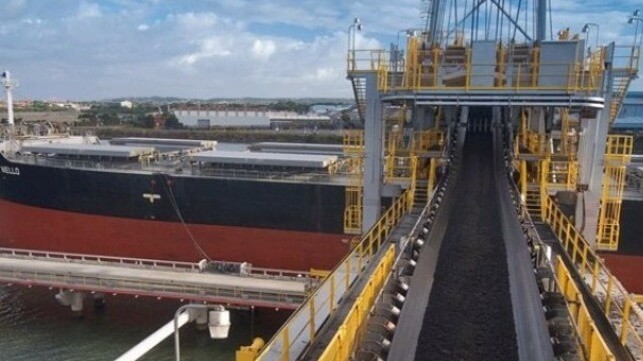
pixel 9 84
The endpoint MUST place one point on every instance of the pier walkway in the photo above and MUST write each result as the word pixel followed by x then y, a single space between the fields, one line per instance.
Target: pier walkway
pixel 259 287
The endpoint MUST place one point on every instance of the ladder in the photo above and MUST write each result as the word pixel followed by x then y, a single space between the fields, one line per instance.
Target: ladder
pixel 623 77
pixel 533 202
pixel 359 91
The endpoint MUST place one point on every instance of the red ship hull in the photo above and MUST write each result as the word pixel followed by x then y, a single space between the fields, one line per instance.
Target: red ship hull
pixel 628 269
pixel 29 227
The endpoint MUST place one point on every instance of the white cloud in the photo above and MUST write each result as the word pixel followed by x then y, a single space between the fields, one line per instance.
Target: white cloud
pixel 208 48
pixel 195 21
pixel 32 21
pixel 263 49
pixel 88 10
pixel 226 48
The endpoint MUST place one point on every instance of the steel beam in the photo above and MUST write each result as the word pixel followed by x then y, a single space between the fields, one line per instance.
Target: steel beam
pixel 373 153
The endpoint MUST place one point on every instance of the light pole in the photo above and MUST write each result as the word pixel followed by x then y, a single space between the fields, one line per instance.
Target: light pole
pixel 636 48
pixel 190 307
pixel 398 53
pixel 352 28
pixel 586 31
pixel 409 33
pixel 636 18
pixel 8 85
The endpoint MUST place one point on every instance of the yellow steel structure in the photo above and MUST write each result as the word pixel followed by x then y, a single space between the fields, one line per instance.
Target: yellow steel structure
pixel 249 353
pixel 340 278
pixel 353 142
pixel 617 155
pixel 567 145
pixel 532 141
pixel 349 334
pixel 593 345
pixel 426 140
pixel 423 69
pixel 354 152
pixel 433 166
pixel 353 206
pixel 401 169
pixel 616 303
pixel 596 63
pixel 560 175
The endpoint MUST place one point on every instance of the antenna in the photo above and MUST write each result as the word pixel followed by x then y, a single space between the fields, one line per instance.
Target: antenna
pixel 9 84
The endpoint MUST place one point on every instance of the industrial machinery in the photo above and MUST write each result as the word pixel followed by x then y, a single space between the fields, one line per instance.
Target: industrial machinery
pixel 498 129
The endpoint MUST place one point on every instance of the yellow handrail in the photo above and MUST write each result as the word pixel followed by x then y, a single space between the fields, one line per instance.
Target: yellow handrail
pixel 593 344
pixel 618 153
pixel 349 334
pixel 616 303
pixel 325 298
pixel 430 70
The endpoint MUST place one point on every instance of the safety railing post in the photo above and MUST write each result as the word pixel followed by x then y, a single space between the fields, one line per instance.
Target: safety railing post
pixel 332 293
pixel 608 296
pixel 285 341
pixel 625 321
pixel 311 306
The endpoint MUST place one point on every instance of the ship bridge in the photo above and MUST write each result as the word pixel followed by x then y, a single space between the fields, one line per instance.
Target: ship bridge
pixel 498 130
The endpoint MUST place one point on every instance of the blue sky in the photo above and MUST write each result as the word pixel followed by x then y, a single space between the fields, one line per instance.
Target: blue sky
pixel 84 49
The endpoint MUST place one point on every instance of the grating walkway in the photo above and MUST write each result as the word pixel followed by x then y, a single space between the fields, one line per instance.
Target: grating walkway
pixel 180 280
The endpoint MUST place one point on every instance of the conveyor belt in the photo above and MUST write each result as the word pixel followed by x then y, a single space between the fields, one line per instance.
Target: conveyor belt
pixel 469 281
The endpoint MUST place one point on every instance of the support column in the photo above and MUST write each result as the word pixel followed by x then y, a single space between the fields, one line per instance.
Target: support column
pixel 496 115
pixel 590 179
pixel 541 20
pixel 373 153
pixel 72 299
pixel 593 144
pixel 464 114
pixel 422 117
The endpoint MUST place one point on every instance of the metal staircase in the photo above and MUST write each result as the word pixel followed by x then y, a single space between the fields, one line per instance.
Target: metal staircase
pixel 421 196
pixel 359 91
pixel 533 202
pixel 619 90
pixel 623 77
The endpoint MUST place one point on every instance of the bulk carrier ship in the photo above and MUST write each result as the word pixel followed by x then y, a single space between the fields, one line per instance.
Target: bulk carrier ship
pixel 171 199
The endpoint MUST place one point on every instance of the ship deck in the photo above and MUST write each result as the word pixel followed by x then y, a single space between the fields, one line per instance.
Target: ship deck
pixel 189 160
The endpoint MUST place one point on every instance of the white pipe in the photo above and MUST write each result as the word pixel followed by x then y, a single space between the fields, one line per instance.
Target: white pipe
pixel 8 85
pixel 154 339
pixel 9 107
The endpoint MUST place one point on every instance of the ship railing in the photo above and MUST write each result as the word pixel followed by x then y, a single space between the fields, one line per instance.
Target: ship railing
pixel 299 177
pixel 175 266
pixel 627 57
pixel 63 163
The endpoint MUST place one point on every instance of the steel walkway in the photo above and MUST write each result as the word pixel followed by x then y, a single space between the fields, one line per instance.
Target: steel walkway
pixel 259 287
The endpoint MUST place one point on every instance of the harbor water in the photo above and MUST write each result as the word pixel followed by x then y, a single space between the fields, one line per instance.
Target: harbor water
pixel 34 326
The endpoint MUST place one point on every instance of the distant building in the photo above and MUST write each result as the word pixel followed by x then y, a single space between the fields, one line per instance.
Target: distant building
pixel 631 115
pixel 66 105
pixel 228 117
pixel 126 104
pixel 204 119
